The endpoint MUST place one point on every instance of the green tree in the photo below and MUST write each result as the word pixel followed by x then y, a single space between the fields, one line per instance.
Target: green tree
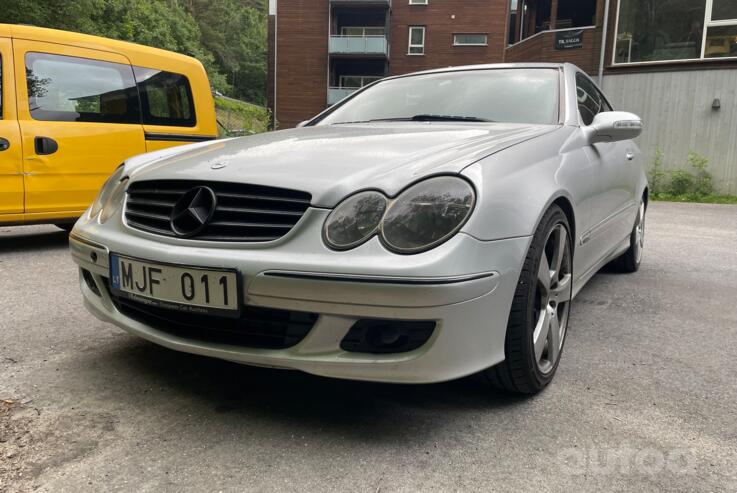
pixel 235 31
pixel 227 36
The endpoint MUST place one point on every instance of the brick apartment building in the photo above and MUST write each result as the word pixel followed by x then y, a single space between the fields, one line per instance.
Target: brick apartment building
pixel 674 62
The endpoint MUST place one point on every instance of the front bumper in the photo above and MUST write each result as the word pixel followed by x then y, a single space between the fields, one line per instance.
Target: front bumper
pixel 466 286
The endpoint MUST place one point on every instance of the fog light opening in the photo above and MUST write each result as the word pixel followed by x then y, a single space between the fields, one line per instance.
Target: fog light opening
pixel 90 281
pixel 387 336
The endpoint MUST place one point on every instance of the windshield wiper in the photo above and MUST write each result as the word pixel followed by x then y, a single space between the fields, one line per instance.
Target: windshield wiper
pixel 424 118
pixel 447 118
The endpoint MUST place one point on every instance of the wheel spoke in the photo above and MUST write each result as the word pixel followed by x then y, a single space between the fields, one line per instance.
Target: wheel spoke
pixel 559 238
pixel 543 274
pixel 554 336
pixel 562 290
pixel 540 335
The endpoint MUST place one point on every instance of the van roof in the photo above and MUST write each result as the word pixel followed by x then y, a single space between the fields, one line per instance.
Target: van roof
pixel 136 53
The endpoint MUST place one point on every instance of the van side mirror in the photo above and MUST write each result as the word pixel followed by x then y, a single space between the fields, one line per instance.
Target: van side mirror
pixel 302 124
pixel 614 126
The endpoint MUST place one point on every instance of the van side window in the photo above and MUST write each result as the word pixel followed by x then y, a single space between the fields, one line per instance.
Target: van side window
pixel 590 100
pixel 166 98
pixel 72 89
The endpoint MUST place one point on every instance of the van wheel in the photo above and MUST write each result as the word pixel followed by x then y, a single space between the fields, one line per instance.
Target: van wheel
pixel 538 320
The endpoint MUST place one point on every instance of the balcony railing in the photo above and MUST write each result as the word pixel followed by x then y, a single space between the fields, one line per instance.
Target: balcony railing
pixel 361 2
pixel 358 45
pixel 336 94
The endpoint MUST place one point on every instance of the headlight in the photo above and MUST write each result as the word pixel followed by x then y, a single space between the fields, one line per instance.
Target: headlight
pixel 355 220
pixel 427 214
pixel 110 196
pixel 422 217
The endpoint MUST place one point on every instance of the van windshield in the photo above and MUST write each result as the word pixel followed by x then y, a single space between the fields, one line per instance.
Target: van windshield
pixel 492 95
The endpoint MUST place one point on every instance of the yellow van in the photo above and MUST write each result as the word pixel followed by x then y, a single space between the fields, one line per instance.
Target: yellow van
pixel 73 107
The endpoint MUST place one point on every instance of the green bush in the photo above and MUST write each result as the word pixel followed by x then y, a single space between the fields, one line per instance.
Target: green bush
pixel 657 175
pixel 236 118
pixel 681 183
pixel 693 182
pixel 702 183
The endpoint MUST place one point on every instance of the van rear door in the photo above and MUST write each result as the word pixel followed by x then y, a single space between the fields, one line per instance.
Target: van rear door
pixel 79 116
pixel 176 105
pixel 11 154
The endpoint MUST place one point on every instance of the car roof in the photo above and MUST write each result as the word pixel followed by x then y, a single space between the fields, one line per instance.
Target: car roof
pixel 491 66
pixel 136 53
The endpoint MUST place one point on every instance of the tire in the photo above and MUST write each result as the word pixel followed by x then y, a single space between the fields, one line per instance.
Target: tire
pixel 630 260
pixel 531 357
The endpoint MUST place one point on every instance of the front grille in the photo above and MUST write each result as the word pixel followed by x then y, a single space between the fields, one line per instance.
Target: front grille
pixel 249 213
pixel 265 328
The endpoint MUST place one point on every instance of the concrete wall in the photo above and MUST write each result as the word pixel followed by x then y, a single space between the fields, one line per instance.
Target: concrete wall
pixel 676 109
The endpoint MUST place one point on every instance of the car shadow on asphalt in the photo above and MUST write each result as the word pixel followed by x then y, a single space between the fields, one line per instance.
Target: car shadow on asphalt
pixel 14 239
pixel 215 387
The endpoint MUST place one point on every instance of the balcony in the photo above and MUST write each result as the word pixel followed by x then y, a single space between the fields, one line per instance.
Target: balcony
pixel 337 94
pixel 358 45
pixel 383 3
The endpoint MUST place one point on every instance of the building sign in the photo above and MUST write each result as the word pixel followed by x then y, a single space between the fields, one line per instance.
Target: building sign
pixel 568 40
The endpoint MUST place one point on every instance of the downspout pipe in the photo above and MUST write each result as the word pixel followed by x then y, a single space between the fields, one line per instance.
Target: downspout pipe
pixel 604 30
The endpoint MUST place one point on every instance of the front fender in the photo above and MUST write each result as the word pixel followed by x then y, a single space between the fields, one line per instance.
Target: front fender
pixel 516 186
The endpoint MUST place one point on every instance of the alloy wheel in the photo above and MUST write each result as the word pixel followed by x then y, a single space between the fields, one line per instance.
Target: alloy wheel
pixel 639 244
pixel 552 298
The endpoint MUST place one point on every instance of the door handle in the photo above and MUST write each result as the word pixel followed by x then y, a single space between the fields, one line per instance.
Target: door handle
pixel 45 146
pixel 630 155
pixel 4 144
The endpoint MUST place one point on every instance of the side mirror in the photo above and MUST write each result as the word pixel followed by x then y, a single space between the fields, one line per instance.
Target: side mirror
pixel 302 124
pixel 613 126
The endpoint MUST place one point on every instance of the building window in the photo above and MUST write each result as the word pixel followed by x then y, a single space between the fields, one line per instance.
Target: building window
pixel 470 40
pixel 530 17
pixel 721 30
pixel 416 40
pixel 675 30
pixel 418 2
pixel 71 89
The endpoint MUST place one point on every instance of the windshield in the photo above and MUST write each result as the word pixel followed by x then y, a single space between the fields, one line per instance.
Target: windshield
pixel 498 95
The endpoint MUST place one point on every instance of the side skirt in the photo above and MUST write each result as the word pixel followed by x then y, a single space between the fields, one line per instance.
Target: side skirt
pixel 611 255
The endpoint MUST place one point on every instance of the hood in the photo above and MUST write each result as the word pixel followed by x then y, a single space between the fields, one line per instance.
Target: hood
pixel 331 162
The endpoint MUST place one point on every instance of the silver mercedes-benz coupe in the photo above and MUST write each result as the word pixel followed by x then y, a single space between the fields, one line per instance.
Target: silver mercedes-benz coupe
pixel 431 226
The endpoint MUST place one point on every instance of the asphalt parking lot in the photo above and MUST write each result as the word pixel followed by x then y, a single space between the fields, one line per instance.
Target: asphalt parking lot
pixel 644 399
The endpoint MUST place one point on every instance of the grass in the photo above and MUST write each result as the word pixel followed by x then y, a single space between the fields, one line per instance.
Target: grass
pixel 240 118
pixel 702 199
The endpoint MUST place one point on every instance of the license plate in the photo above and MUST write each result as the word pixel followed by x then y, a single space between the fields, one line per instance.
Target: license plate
pixel 176 287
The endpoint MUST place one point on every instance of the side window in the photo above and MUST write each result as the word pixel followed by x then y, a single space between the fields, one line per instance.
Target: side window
pixel 71 89
pixel 166 98
pixel 590 100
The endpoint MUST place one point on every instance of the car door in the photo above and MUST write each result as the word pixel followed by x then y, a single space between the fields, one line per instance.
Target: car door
pixel 79 115
pixel 610 211
pixel 11 154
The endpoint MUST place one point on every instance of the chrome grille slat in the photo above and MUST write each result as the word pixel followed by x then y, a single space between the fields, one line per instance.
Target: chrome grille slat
pixel 151 203
pixel 150 215
pixel 247 210
pixel 245 213
pixel 262 197
pixel 234 224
